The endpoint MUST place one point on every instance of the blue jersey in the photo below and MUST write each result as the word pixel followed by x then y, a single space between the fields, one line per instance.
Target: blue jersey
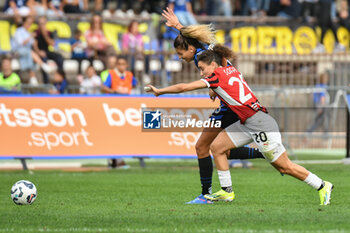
pixel 318 95
pixel 198 51
pixel 179 5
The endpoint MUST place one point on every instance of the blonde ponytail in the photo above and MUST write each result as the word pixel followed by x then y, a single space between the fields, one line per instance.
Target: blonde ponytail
pixel 204 33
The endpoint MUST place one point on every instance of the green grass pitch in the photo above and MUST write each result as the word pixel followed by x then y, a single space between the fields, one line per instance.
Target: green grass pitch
pixel 152 200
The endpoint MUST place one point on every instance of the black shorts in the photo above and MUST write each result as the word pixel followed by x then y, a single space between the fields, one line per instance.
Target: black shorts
pixel 225 115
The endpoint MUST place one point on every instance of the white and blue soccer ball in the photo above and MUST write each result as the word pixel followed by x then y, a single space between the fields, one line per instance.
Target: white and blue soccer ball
pixel 23 192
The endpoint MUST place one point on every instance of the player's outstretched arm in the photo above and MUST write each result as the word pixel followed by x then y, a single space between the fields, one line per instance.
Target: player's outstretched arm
pixel 172 20
pixel 178 88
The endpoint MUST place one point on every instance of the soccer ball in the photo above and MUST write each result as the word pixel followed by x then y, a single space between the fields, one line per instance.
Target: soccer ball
pixel 23 192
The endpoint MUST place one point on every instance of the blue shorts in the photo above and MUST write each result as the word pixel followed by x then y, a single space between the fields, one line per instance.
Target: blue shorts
pixel 225 115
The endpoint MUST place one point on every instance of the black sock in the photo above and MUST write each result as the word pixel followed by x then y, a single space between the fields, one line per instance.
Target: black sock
pixel 227 189
pixel 112 163
pixel 321 187
pixel 245 153
pixel 206 173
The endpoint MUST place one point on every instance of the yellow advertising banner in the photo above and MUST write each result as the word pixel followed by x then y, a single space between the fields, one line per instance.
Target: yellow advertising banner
pixel 92 126
pixel 246 39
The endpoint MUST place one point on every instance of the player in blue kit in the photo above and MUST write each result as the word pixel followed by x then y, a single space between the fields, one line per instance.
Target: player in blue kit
pixel 254 125
pixel 192 41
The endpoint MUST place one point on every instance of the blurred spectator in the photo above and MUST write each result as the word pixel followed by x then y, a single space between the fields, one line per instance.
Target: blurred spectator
pixel 19 7
pixel 55 8
pixel 132 39
pixel 9 80
pixel 98 47
pixel 285 8
pixel 324 21
pixel 320 100
pixel 226 8
pixel 132 45
pixel 59 82
pixel 249 7
pixel 263 7
pixel 43 39
pixel 78 51
pixel 92 82
pixel 40 7
pixel 127 8
pixel 120 80
pixel 309 9
pixel 211 7
pixel 75 6
pixel 183 10
pixel 22 44
pixel 98 5
pixel 216 7
pixel 132 7
pixel 201 7
pixel 111 64
pixel 342 8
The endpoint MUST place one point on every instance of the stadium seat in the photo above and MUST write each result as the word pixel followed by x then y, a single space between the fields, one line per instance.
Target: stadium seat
pixel 98 65
pixel 139 65
pixel 173 66
pixel 155 65
pixel 70 66
pixel 15 64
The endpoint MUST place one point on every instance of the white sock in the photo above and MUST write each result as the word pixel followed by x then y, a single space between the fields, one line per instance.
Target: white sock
pixel 225 178
pixel 313 180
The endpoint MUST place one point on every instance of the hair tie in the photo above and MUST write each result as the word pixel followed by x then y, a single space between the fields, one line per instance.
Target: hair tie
pixel 211 46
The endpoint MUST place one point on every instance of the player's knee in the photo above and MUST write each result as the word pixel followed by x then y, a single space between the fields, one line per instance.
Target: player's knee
pixel 287 169
pixel 216 149
pixel 282 170
pixel 202 149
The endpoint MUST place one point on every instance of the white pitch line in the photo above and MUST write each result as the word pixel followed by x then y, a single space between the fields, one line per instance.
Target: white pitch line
pixel 318 161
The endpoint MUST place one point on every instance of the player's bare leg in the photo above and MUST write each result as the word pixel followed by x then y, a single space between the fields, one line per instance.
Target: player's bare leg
pixel 203 144
pixel 285 166
pixel 205 163
pixel 220 149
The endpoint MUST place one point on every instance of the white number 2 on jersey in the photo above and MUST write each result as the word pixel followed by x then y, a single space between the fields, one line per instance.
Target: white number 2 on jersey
pixel 242 96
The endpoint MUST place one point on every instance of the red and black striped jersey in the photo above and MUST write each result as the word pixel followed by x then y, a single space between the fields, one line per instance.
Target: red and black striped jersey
pixel 232 89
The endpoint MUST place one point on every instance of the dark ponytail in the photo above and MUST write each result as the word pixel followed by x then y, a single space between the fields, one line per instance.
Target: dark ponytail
pixel 182 42
pixel 217 54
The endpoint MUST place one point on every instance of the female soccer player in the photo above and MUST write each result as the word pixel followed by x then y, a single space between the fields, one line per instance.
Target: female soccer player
pixel 192 41
pixel 255 124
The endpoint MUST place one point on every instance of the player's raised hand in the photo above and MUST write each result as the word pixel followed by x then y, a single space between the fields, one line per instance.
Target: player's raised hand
pixel 172 20
pixel 150 88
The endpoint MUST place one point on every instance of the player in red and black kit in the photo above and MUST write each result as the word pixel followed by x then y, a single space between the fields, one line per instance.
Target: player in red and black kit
pixel 255 124
pixel 192 41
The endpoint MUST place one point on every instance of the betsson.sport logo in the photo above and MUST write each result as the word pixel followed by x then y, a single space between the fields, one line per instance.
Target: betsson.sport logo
pixel 49 121
pixel 68 127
